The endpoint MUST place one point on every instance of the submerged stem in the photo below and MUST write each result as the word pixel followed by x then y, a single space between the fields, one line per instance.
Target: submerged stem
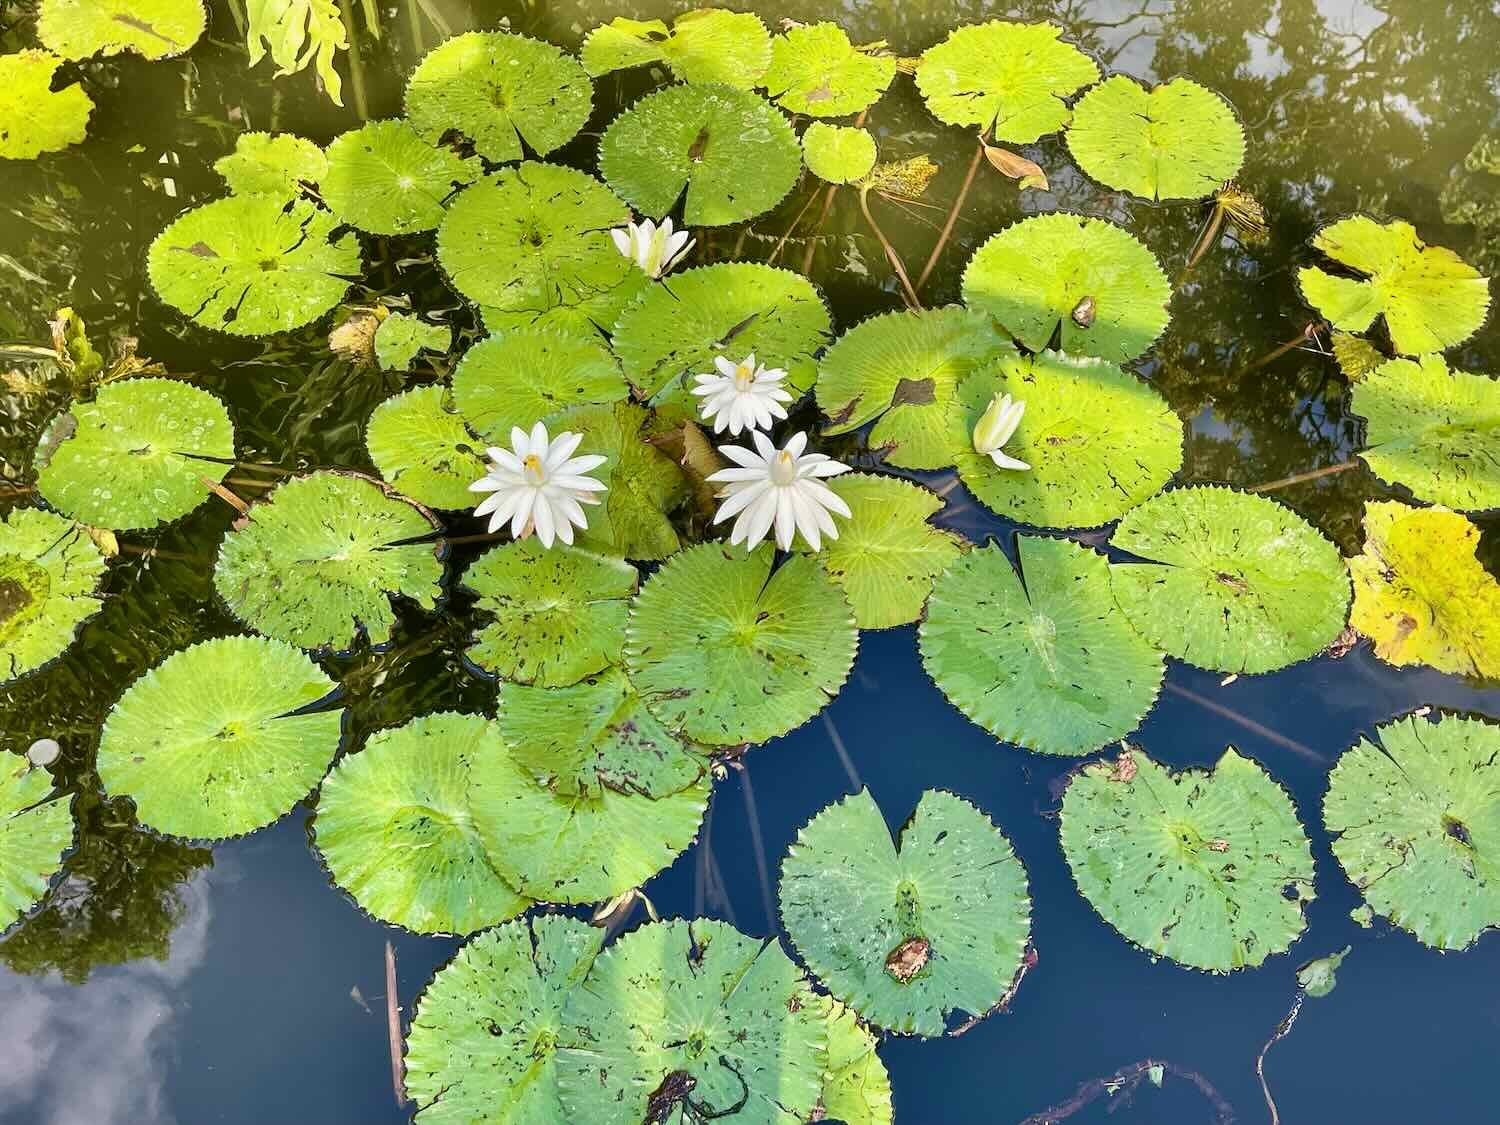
pixel 912 300
pixel 1279 1034
pixel 958 203
pixel 356 62
pixel 1302 478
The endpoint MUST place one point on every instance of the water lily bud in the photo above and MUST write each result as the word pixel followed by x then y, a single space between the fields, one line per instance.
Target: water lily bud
pixel 44 752
pixel 996 427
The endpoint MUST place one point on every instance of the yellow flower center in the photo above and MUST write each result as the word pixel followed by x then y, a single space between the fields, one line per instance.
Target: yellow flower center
pixel 532 469
pixel 743 377
pixel 783 468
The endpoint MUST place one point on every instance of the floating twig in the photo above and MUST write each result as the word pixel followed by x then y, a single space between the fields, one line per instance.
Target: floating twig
pixel 1248 723
pixel 1279 1034
pixel 1125 1081
pixel 1302 478
pixel 393 1026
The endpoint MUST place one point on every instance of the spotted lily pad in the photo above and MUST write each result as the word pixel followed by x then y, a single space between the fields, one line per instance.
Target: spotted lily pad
pixel 271 164
pixel 49 578
pixel 702 45
pixel 1355 355
pixel 837 153
pixel 385 179
pixel 423 450
pixel 217 740
pixel 856 1087
pixel 816 70
pixel 34 118
pixel 34 833
pixel 77 29
pixel 401 336
pixel 525 376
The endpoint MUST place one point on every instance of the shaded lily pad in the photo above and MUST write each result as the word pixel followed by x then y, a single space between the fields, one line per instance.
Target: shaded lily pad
pixel 1051 665
pixel 50 572
pixel 215 742
pixel 77 29
pixel 1208 867
pixel 423 449
pixel 1415 818
pixel 271 164
pixel 725 652
pixel 34 833
pixel 909 933
pixel 385 179
pixel 135 456
pixel 525 376
pixel 703 45
pixel 34 118
pixel 401 336
pixel 1235 583
pixel 838 154
pixel 393 826
pixel 644 484
pixel 856 1087
pixel 816 70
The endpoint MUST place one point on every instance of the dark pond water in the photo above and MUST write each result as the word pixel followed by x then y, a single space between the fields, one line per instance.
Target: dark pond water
pixel 160 982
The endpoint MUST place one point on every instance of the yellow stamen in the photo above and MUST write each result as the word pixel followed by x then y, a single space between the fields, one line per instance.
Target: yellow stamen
pixel 532 467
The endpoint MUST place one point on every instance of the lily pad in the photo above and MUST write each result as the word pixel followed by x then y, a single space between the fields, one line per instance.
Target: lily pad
pixel 34 118
pixel 1178 140
pixel 837 153
pixel 732 152
pixel 691 1010
pixel 1051 665
pixel 50 572
pixel 1208 867
pixel 816 70
pixel 1008 78
pixel 1415 819
pixel 703 45
pixel 644 484
pixel 856 1087
pixel 909 933
pixel 394 828
pixel 525 376
pixel 385 179
pixel 1355 355
pixel 317 563
pixel 497 90
pixel 1431 298
pixel 217 740
pixel 1093 279
pixel 726 653
pixel 157 29
pixel 1318 977
pixel 401 336
pixel 251 265
pixel 136 456
pixel 271 164
pixel 1235 582
pixel 34 833
pixel 423 450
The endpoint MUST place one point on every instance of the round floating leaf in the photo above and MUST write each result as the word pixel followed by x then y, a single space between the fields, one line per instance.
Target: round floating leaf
pixel 837 153
pixel 33 117
pixel 856 1087
pixel 1235 582
pixel 1433 430
pixel 250 265
pixel 558 615
pixel 34 833
pixel 816 70
pixel 1098 440
pixel 730 150
pixel 49 578
pixel 482 1043
pixel 643 484
pixel 525 376
pixel 76 29
pixel 1009 76
pixel 704 45
pixel 678 1010
pixel 1208 867
pixel 423 450
pixel 908 933
pixel 393 826
pixel 1051 665
pixel 1102 286
pixel 497 90
pixel 1430 297
pixel 215 741
pixel 1415 818
pixel 135 456
pixel 318 562
pixel 1355 355
pixel 728 653
pixel 385 179
pixel 401 336
pixel 271 164
pixel 1178 140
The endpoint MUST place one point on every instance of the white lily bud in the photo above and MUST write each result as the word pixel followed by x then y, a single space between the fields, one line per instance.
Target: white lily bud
pixel 654 249
pixel 996 427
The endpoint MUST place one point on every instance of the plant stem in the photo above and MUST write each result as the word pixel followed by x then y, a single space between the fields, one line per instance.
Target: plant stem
pixel 1260 1061
pixel 393 1026
pixel 912 300
pixel 812 239
pixel 414 21
pixel 958 203
pixel 1300 478
pixel 1309 331
pixel 356 62
pixel 781 242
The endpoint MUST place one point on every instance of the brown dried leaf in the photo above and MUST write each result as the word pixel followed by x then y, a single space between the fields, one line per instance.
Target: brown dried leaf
pixel 907 959
pixel 1016 166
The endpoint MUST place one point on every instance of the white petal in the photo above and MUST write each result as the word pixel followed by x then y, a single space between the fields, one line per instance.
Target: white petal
pixel 562 448
pixel 763 445
pixel 622 241
pixel 742 456
pixel 725 365
pixel 541 512
pixel 525 498
pixel 539 440
pixel 824 469
pixel 585 464
pixel 757 519
pixel 797 444
pixel 1006 461
pixel 486 484
pixel 786 519
pixel 820 493
pixel 520 444
pixel 740 500
pixel 807 520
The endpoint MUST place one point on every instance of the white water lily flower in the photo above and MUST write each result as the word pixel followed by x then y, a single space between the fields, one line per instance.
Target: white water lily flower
pixel 538 485
pixel 656 249
pixel 780 487
pixel 996 427
pixel 742 396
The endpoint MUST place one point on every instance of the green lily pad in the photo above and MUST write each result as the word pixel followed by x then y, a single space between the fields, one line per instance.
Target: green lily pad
pixel 1178 140
pixel 34 833
pixel 137 455
pixel 856 1087
pixel 1103 287
pixel 317 563
pixel 157 29
pixel 732 152
pixel 215 741
pixel 525 376
pixel 1208 867
pixel 251 265
pixel 697 1010
pixel 50 572
pixel 271 164
pixel 1010 78
pixel 558 615
pixel 497 90
pixel 1318 978
pixel 1355 355
pixel 837 153
pixel 644 484
pixel 394 828
pixel 816 70
pixel 401 336
pixel 703 45
pixel 1431 298
pixel 423 449
pixel 385 179
pixel 1434 430
pixel 482 1044
pixel 1051 665
pixel 907 933
pixel 34 118
pixel 1415 819
pixel 725 652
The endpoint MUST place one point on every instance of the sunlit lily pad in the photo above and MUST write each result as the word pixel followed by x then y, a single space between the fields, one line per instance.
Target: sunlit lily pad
pixel 34 833
pixel 1235 582
pixel 423 450
pixel 1208 867
pixel 644 484
pixel 393 826
pixel 497 90
pixel 1355 355
pixel 1431 298
pixel 816 70
pixel 49 578
pixel 34 118
pixel 385 179
pixel 678 1010
pixel 216 740
pixel 135 456
pixel 481 1047
pixel 318 562
pixel 1009 77
pixel 702 45
pixel 837 153
pixel 732 152
pixel 1178 140
pixel 271 164
pixel 856 1086
pixel 251 265
pixel 525 376
pixel 908 933
pixel 1415 819
pixel 77 29
pixel 401 336
pixel 1052 664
